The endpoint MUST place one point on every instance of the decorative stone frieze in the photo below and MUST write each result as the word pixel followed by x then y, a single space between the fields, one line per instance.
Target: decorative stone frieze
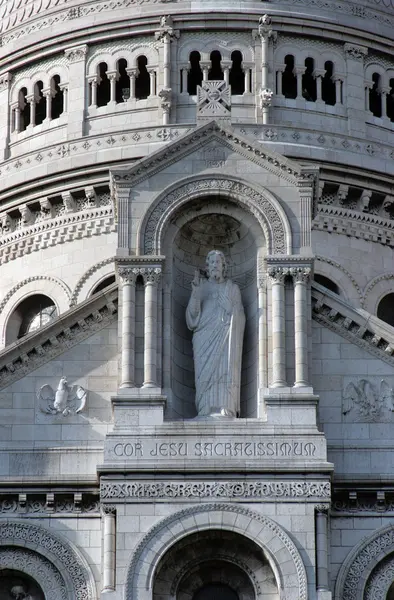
pixel 35 504
pixel 271 490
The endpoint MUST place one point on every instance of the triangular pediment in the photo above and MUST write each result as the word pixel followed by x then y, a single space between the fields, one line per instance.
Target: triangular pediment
pixel 214 143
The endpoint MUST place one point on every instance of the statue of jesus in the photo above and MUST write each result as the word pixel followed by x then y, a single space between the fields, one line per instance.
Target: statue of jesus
pixel 216 316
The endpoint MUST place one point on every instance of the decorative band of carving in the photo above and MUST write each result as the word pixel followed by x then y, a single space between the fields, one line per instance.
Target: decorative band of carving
pixel 218 489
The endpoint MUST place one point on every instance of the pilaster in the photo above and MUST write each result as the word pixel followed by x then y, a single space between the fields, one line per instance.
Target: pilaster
pixel 77 100
pixel 5 114
pixel 355 57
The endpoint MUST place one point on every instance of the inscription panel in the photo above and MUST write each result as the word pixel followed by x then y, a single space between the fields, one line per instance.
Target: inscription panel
pixel 163 449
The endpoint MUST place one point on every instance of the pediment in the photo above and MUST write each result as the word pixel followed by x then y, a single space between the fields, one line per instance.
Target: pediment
pixel 214 144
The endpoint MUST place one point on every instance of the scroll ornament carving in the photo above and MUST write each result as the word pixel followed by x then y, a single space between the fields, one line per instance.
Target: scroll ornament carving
pixel 76 54
pixel 220 489
pixel 367 402
pixel 66 400
pixel 65 555
pixel 380 581
pixel 254 202
pixel 356 52
pixel 128 275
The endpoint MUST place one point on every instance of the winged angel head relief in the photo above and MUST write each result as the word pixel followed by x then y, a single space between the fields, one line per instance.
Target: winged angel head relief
pixel 66 400
pixel 368 402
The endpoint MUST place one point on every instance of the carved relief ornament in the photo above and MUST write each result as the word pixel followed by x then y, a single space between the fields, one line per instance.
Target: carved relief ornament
pixel 76 54
pixel 356 52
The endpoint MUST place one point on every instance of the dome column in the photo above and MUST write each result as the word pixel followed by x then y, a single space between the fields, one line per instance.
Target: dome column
pixel 5 83
pixel 77 102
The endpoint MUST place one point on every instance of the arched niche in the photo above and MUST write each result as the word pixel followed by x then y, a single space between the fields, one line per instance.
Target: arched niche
pixel 207 223
pixel 16 584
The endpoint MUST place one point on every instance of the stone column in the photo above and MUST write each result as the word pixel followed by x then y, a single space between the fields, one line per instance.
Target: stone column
pixel 152 76
pixel 301 276
pixel 151 279
pixel 265 33
pixel 112 76
pixel 205 66
pixel 299 72
pixel 77 102
pixel 47 93
pixel 17 116
pixel 355 95
pixel 277 276
pixel 321 548
pixel 338 90
pixel 261 324
pixel 279 75
pixel 184 72
pixel 109 547
pixel 93 87
pixel 31 99
pixel 128 277
pixel 226 65
pixel 246 68
pixel 5 118
pixel 132 73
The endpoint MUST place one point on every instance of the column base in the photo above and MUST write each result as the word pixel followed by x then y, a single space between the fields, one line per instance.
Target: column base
pixel 132 409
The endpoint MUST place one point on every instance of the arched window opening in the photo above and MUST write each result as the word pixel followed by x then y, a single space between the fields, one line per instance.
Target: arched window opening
pixel 123 82
pixel 142 81
pixel 327 283
pixel 375 96
pixel 31 314
pixel 41 105
pixel 237 76
pixel 104 86
pixel 57 98
pixel 104 284
pixel 16 585
pixel 216 591
pixel 24 108
pixel 289 79
pixel 328 85
pixel 390 101
pixel 194 76
pixel 386 309
pixel 215 73
pixel 309 81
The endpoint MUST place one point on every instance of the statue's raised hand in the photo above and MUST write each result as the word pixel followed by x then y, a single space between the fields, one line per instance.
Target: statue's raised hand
pixel 196 280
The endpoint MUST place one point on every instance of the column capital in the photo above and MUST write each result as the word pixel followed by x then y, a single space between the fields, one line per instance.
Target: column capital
pixel 128 274
pixel 108 509
pixel 77 53
pixel 278 274
pixel 301 274
pixel 322 508
pixel 151 275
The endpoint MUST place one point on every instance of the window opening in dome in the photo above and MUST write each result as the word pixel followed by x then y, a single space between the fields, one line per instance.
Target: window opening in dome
pixel 375 96
pixel 215 591
pixel 309 91
pixel 122 92
pixel 289 79
pixel 390 101
pixel 22 120
pixel 328 91
pixel 57 98
pixel 142 82
pixel 104 284
pixel 327 283
pixel 215 73
pixel 104 86
pixel 194 76
pixel 31 314
pixel 386 309
pixel 40 103
pixel 237 76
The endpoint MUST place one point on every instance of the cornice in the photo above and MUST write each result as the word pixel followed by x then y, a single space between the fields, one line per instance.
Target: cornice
pixel 355 325
pixel 64 332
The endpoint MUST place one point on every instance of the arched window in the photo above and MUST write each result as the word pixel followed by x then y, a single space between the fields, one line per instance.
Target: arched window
pixel 57 98
pixel 237 76
pixel 104 284
pixel 215 73
pixel 289 79
pixel 327 283
pixel 328 93
pixel 122 82
pixel 375 97
pixel 31 314
pixel 390 101
pixel 309 81
pixel 194 76
pixel 142 81
pixel 41 105
pixel 16 585
pixel 386 309
pixel 24 108
pixel 216 591
pixel 103 87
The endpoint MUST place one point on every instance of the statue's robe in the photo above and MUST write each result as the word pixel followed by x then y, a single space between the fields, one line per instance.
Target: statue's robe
pixel 218 322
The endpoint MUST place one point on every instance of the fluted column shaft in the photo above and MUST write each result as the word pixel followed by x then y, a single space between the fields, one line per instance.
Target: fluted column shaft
pixel 277 276
pixel 321 549
pixel 128 279
pixel 109 548
pixel 151 279
pixel 301 277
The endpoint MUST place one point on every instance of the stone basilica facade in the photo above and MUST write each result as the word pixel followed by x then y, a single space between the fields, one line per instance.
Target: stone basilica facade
pixel 135 137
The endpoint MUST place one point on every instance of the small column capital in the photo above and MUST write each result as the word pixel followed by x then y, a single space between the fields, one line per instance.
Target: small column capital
pixel 301 274
pixel 166 31
pixel 151 275
pixel 128 275
pixel 108 509
pixel 278 274
pixel 77 53
pixel 322 508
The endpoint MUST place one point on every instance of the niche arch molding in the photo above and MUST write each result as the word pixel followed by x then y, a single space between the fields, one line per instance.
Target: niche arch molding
pixel 276 544
pixel 57 554
pixel 255 200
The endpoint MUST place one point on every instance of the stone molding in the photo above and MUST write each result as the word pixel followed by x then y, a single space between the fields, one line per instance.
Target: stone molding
pixel 58 551
pixel 39 568
pixel 386 277
pixel 355 51
pixel 80 283
pixel 261 205
pixel 359 565
pixel 176 526
pixel 380 581
pixel 333 263
pixel 284 490
pixel 35 504
pixel 76 54
pixel 360 328
pixel 21 284
pixel 64 332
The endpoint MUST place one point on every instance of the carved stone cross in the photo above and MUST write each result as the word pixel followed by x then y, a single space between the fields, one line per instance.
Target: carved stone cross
pixel 213 101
